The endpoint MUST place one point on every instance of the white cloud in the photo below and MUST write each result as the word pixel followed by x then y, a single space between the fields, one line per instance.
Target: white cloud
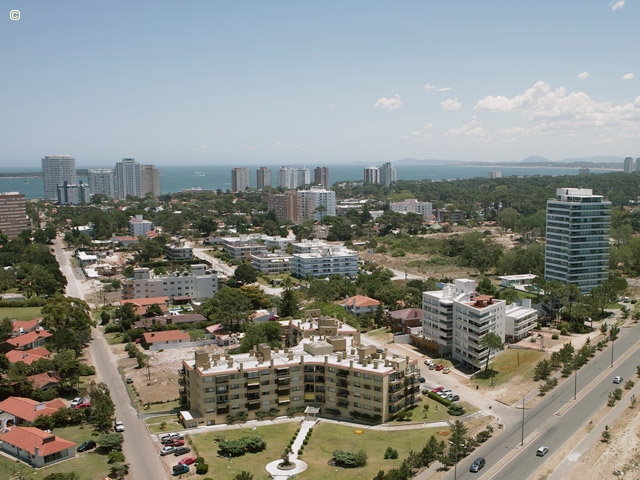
pixel 422 134
pixel 628 76
pixel 451 104
pixel 389 104
pixel 472 130
pixel 276 146
pixel 583 75
pixel 616 4
pixel 332 106
pixel 200 148
pixel 428 87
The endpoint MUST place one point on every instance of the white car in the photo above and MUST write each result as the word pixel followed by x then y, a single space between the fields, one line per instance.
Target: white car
pixel 617 379
pixel 119 426
pixel 75 402
pixel 167 450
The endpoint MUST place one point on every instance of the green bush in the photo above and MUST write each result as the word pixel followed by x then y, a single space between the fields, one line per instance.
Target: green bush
pixel 350 459
pixel 202 468
pixel 554 336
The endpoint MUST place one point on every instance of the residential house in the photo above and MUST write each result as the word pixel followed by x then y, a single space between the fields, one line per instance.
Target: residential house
pixel 44 381
pixel 20 410
pixel 405 319
pixel 36 447
pixel 20 327
pixel 142 304
pixel 360 304
pixel 166 337
pixel 26 341
pixel 27 356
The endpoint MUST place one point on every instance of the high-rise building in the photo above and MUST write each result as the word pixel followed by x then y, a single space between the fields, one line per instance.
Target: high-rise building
pixel 263 178
pixel 13 214
pixel 371 174
pixel 628 165
pixel 149 180
pixel 321 177
pixel 57 169
pixel 287 177
pixel 638 164
pixel 286 206
pixel 577 247
pixel 317 203
pixel 240 179
pixel 101 181
pixel 303 177
pixel 413 206
pixel 387 174
pixel 73 193
pixel 128 179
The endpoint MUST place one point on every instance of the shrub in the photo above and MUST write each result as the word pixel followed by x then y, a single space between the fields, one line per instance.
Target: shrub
pixel 555 336
pixel 116 456
pixel 564 332
pixel 390 453
pixel 350 459
pixel 202 468
pixel 455 410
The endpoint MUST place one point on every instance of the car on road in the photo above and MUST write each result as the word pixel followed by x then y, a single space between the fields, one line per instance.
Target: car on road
pixel 181 451
pixel 542 451
pixel 83 405
pixel 617 379
pixel 432 366
pixel 188 460
pixel 439 367
pixel 180 469
pixel 75 402
pixel 167 449
pixel 437 389
pixel 88 445
pixel 421 379
pixel 477 465
pixel 118 426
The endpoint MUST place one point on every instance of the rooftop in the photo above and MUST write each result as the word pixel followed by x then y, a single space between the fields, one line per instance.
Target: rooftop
pixel 30 438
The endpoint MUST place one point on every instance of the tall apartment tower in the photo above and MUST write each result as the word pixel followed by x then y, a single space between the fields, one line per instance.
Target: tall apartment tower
pixel 628 165
pixel 321 177
pixel 240 179
pixel 13 214
pixel 101 181
pixel 287 177
pixel 638 164
pixel 263 178
pixel 317 203
pixel 285 205
pixel 149 180
pixel 128 179
pixel 577 248
pixel 387 174
pixel 303 177
pixel 371 174
pixel 57 169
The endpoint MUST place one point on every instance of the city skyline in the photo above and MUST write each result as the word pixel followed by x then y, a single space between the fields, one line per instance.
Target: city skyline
pixel 319 83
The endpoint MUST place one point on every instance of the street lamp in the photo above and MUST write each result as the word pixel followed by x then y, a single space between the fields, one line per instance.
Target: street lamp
pixel 455 465
pixel 613 343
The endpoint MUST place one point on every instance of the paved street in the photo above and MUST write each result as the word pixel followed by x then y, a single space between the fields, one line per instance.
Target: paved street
pixel 139 449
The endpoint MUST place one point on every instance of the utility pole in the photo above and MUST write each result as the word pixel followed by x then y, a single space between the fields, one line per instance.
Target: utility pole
pixel 522 435
pixel 575 380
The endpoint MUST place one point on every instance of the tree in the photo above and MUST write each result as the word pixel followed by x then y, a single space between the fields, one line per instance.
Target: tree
pixel 69 321
pixel 111 441
pixel 265 332
pixel 6 329
pixel 243 475
pixel 289 306
pixel 492 342
pixel 245 274
pixel 229 306
pixel 258 298
pixel 119 471
pixel 102 408
pixel 153 311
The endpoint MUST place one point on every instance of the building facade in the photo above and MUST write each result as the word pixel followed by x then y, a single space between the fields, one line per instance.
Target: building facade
pixel 578 231
pixel 102 181
pixel 128 179
pixel 73 194
pixel 285 205
pixel 263 178
pixel 324 262
pixel 138 226
pixel 414 206
pixel 388 174
pixel 371 174
pixel 322 373
pixel 321 177
pixel 316 203
pixel 199 284
pixel 149 180
pixel 13 214
pixel 628 165
pixel 240 179
pixel 57 169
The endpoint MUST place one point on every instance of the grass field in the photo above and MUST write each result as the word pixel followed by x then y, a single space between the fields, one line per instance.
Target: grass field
pixel 20 313
pixel 509 364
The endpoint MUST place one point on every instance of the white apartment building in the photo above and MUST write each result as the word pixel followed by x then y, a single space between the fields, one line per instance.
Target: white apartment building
pixel 149 180
pixel 413 206
pixel 455 319
pixel 138 226
pixel 57 169
pixel 199 285
pixel 325 261
pixel 316 203
pixel 578 231
pixel 102 181
pixel 73 194
pixel 388 174
pixel 271 263
pixel 520 321
pixel 263 178
pixel 128 179
pixel 240 179
pixel 240 248
pixel 371 174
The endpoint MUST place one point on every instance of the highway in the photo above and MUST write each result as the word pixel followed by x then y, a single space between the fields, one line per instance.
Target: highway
pixel 138 448
pixel 556 417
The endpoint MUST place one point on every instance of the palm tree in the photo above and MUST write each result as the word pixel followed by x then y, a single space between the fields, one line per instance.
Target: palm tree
pixel 492 342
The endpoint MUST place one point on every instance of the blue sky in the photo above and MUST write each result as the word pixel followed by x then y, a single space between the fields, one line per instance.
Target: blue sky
pixel 322 82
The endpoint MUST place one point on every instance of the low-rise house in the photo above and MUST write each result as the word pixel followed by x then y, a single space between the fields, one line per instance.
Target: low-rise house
pixel 520 320
pixel 21 410
pixel 27 356
pixel 142 304
pixel 165 338
pixel 26 341
pixel 170 320
pixel 44 381
pixel 20 327
pixel 36 447
pixel 360 304
pixel 405 319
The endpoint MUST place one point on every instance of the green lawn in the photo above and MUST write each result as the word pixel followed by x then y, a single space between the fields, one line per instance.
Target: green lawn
pixel 509 364
pixel 20 313
pixel 88 465
pixel 172 424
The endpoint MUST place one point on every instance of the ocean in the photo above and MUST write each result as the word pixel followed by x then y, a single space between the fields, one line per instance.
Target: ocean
pixel 176 178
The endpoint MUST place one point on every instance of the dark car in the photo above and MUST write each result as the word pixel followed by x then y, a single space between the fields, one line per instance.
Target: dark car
pixel 181 451
pixel 477 465
pixel 88 445
pixel 180 468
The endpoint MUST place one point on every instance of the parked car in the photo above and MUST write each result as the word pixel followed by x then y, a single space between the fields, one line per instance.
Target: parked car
pixel 421 379
pixel 129 379
pixel 75 402
pixel 83 405
pixel 170 436
pixel 119 426
pixel 617 379
pixel 542 451
pixel 176 442
pixel 428 361
pixel 432 366
pixel 379 350
pixel 439 367
pixel 477 465
pixel 188 460
pixel 181 451
pixel 446 370
pixel 88 445
pixel 180 469
pixel 167 449
pixel 437 389
pixel 452 397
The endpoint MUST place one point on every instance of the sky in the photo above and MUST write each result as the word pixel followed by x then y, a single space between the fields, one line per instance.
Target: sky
pixel 318 82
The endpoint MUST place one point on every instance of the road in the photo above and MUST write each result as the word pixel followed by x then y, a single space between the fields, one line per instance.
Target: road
pixel 139 450
pixel 202 254
pixel 557 417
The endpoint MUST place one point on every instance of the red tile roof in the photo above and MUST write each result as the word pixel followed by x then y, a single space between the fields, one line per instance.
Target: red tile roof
pixel 28 338
pixel 27 409
pixel 45 379
pixel 166 336
pixel 30 438
pixel 361 301
pixel 146 302
pixel 27 356
pixel 26 325
pixel 407 314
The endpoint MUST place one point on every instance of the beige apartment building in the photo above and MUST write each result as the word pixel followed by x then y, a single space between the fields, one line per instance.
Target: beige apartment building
pixel 326 370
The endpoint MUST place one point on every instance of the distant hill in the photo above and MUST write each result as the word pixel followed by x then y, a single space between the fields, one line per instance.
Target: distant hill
pixel 603 161
pixel 426 161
